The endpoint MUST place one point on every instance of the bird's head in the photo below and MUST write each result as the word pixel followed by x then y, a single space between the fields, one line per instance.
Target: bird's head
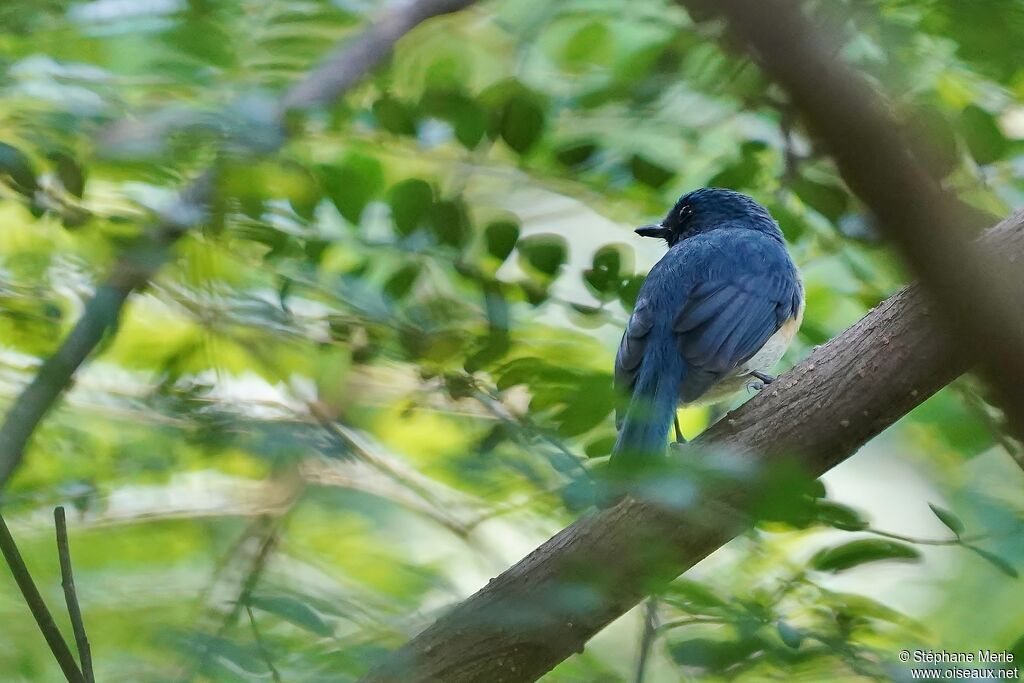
pixel 707 209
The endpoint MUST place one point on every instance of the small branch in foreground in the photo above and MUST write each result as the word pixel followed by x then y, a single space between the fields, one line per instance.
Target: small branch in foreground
pixel 261 646
pixel 650 629
pixel 67 581
pixel 40 612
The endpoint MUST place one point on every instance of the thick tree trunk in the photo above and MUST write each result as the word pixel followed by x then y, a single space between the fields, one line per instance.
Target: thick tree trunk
pixel 546 607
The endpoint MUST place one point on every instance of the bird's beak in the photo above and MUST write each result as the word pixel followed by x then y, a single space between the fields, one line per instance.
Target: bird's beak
pixel 654 230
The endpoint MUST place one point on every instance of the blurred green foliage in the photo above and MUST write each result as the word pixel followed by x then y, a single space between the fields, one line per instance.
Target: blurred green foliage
pixel 381 371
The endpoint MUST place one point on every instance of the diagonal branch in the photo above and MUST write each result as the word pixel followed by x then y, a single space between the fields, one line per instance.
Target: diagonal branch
pixel 980 308
pixel 40 612
pixel 546 607
pixel 339 73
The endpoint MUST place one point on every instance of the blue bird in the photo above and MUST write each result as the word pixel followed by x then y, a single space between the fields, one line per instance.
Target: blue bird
pixel 719 308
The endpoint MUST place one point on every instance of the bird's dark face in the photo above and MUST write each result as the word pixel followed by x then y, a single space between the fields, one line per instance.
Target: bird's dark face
pixel 707 209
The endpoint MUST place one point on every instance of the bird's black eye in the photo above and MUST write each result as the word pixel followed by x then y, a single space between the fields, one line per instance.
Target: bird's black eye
pixel 685 211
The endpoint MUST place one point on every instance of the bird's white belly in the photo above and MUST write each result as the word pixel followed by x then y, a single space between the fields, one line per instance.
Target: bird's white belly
pixel 762 361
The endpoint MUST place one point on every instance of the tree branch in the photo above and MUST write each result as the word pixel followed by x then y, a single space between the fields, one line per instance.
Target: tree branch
pixel 548 605
pixel 67 582
pixel 35 603
pixel 981 309
pixel 339 73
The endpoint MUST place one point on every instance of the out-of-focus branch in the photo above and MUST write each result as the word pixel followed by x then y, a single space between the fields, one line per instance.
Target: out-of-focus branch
pixel 35 603
pixel 347 65
pixel 546 607
pixel 338 74
pixel 980 308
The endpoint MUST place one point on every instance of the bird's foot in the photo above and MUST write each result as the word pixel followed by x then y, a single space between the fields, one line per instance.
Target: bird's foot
pixel 762 380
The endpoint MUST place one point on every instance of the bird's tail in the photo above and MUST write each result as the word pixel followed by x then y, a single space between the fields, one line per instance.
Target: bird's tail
pixel 651 409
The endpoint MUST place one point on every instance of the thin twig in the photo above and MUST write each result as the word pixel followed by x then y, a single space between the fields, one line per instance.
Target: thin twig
pixel 261 646
pixel 252 577
pixel 951 541
pixel 40 612
pixel 67 581
pixel 646 638
pixel 688 621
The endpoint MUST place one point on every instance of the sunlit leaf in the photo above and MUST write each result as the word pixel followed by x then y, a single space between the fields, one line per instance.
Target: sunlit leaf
pixel 545 253
pixel 353 183
pixel 952 522
pixel 856 553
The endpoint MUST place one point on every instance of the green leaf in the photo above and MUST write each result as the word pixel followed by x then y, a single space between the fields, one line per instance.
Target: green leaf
pixel 629 290
pixel 577 153
pixel 585 405
pixel 839 516
pixel 592 43
pixel 604 278
pixel 599 446
pixel 545 253
pixel 394 116
pixel 578 494
pixel 993 559
pixel 982 134
pixel 963 431
pixel 791 222
pixel 952 522
pixel 650 172
pixel 293 610
pixel 449 221
pixel 856 553
pixel 466 116
pixel 792 637
pixel 738 175
pixel 296 184
pixel 15 165
pixel 353 183
pixel 411 202
pixel 402 280
pixel 694 597
pixel 715 655
pixel 70 174
pixel 828 200
pixel 501 237
pixel 522 123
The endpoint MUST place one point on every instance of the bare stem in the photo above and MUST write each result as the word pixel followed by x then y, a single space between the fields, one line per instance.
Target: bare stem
pixel 646 638
pixel 67 581
pixel 35 603
pixel 261 646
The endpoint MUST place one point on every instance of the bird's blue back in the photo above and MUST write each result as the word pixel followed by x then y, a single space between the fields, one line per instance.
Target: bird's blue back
pixel 706 307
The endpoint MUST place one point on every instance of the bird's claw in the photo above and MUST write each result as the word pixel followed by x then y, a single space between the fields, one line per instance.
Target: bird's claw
pixel 755 385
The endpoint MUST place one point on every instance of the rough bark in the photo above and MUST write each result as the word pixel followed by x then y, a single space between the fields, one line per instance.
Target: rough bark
pixel 546 607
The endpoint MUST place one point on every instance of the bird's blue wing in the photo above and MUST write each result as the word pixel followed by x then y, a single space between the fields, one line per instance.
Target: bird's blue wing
pixel 632 347
pixel 724 293
pixel 727 319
